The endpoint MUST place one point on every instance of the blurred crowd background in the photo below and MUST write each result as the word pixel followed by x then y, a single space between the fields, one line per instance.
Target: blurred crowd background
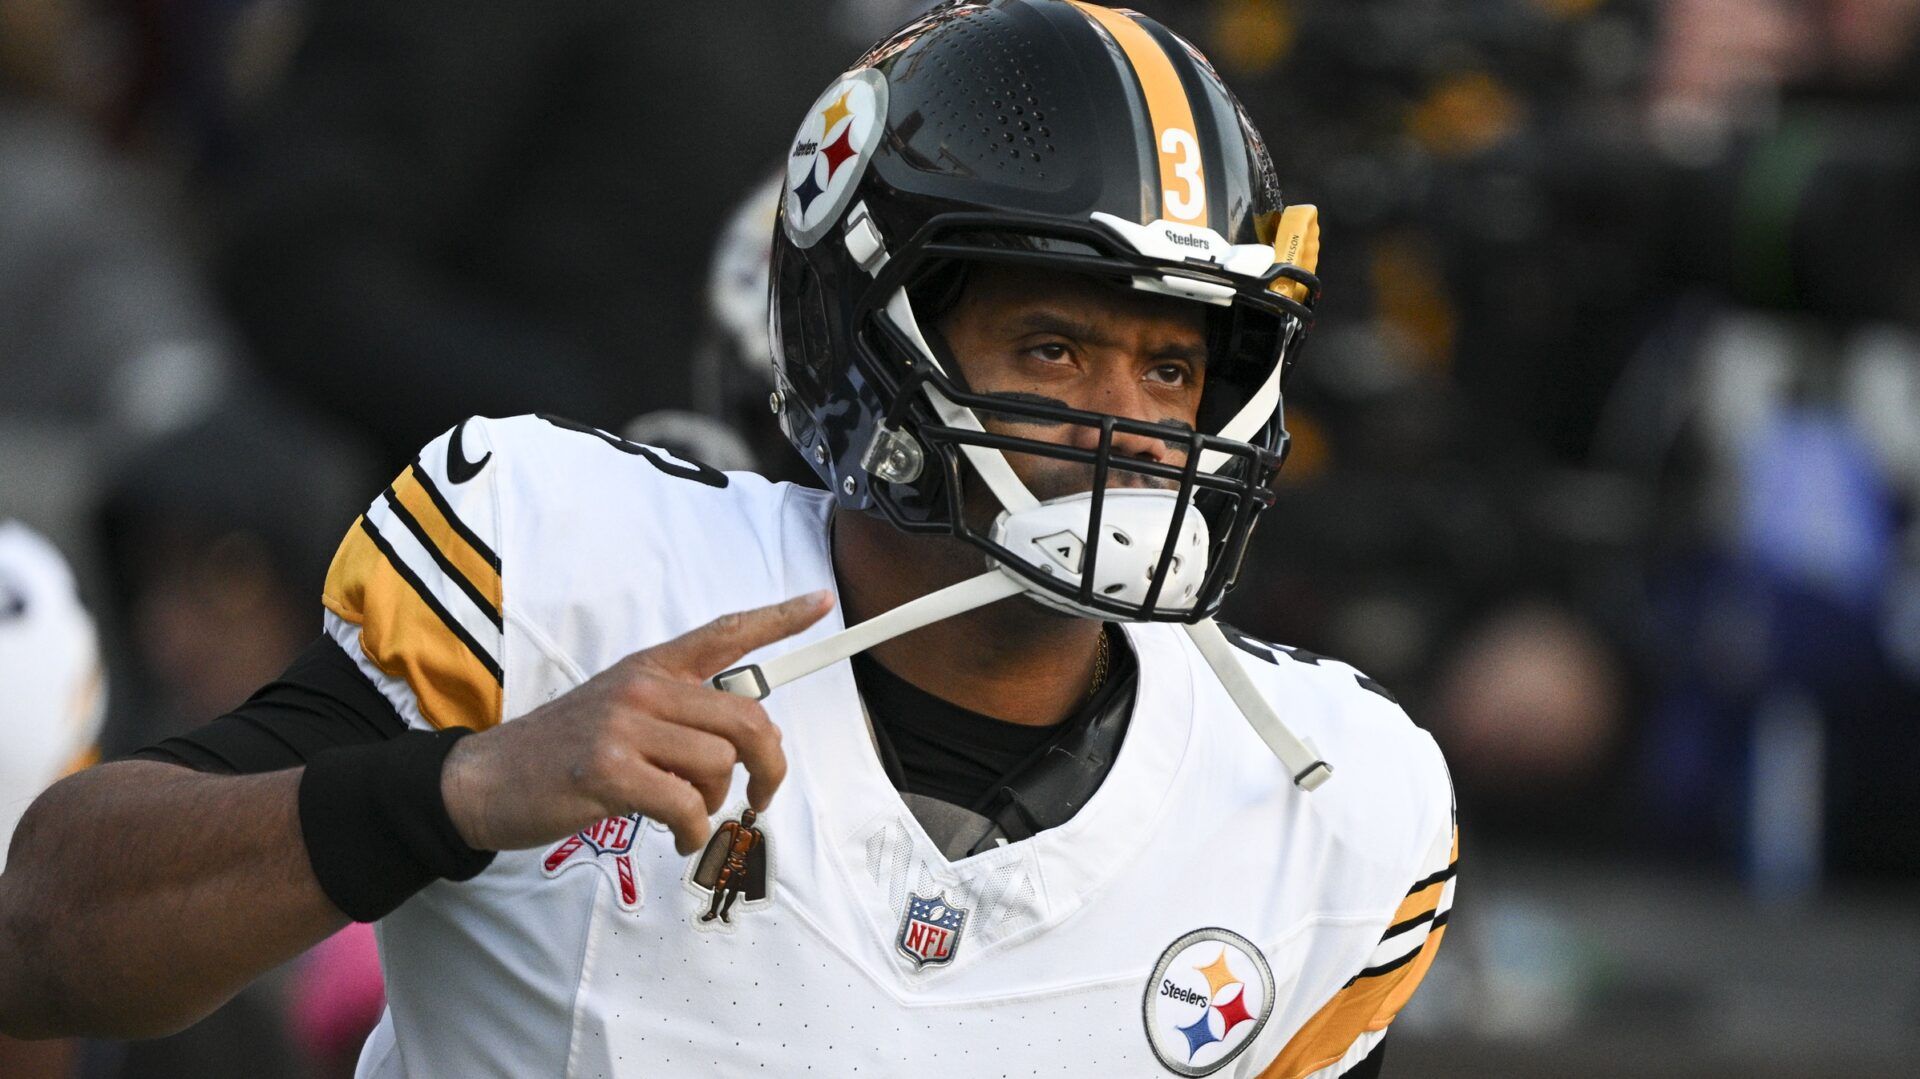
pixel 1607 443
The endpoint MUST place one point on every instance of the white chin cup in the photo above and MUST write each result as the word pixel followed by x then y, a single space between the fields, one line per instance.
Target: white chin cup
pixel 1051 537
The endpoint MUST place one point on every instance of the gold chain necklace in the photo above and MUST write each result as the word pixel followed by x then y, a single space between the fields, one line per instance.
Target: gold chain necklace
pixel 1100 658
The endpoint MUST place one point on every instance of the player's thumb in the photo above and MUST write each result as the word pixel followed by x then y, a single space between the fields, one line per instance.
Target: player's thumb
pixel 704 652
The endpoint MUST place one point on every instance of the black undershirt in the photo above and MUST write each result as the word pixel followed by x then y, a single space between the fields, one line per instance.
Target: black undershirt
pixel 933 747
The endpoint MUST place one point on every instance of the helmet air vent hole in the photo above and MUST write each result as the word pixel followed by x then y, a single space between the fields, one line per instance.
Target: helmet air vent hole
pixel 1111 589
pixel 1121 539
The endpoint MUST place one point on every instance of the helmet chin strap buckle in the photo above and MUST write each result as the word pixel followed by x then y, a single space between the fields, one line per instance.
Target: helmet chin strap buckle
pixel 748 681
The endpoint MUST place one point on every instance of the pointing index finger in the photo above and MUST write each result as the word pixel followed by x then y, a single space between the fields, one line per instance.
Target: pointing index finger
pixel 705 651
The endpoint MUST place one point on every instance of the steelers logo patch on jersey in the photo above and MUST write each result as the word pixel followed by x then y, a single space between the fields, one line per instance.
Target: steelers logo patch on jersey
pixel 830 153
pixel 1209 996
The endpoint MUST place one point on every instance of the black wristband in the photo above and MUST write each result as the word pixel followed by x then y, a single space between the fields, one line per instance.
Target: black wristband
pixel 376 826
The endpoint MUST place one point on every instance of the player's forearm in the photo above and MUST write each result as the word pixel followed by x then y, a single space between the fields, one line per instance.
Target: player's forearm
pixel 139 896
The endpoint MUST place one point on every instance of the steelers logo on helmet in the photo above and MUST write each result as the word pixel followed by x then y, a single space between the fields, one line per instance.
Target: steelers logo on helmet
pixel 830 153
pixel 1209 996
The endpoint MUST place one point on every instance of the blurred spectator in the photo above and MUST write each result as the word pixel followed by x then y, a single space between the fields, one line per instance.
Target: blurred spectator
pixel 1777 610
pixel 192 73
pixel 1532 705
pixel 1535 211
pixel 214 540
pixel 102 314
pixel 52 697
pixel 498 207
pixel 1778 626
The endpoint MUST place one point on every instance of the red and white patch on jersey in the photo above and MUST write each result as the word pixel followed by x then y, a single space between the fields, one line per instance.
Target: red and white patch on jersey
pixel 608 844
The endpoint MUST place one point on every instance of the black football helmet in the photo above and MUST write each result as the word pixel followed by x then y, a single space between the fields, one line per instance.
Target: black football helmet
pixel 1051 134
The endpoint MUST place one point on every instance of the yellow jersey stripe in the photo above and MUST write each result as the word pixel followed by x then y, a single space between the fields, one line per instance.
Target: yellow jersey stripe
pixel 476 576
pixel 1365 1004
pixel 1183 178
pixel 406 633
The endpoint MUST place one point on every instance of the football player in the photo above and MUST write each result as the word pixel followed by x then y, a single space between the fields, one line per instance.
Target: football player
pixel 1034 295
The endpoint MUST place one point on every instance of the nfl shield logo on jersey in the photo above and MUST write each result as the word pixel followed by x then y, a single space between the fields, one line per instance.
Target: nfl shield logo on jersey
pixel 931 930
pixel 608 844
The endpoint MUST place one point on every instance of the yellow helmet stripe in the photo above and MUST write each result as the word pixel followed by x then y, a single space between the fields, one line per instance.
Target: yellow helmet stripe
pixel 1183 178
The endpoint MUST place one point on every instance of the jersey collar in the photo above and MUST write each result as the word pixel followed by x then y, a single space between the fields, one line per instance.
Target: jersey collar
pixel 860 827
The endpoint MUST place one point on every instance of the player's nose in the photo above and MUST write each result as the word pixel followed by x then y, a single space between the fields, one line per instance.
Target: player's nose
pixel 1115 390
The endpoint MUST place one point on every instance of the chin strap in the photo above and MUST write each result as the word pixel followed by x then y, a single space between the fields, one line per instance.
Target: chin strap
pixel 756 680
pixel 1302 761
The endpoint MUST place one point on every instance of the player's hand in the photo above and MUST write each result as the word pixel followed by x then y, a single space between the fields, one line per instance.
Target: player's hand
pixel 647 735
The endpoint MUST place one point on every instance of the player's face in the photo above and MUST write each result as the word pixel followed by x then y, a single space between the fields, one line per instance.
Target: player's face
pixel 1065 340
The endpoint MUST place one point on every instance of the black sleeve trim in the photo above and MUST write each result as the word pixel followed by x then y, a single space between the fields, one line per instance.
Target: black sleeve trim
pixel 321 701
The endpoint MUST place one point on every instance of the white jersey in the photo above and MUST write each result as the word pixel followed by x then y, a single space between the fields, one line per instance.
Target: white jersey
pixel 1198 916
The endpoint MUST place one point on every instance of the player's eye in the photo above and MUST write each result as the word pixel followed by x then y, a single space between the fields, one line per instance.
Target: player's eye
pixel 1170 374
pixel 1051 351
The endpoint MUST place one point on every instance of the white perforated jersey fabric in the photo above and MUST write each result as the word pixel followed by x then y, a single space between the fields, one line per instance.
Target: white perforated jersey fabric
pixel 603 549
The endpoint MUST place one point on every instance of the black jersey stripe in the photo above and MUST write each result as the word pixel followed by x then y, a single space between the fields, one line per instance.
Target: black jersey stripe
pixel 1392 965
pixel 1401 927
pixel 447 567
pixel 453 519
pixel 1428 882
pixel 426 596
